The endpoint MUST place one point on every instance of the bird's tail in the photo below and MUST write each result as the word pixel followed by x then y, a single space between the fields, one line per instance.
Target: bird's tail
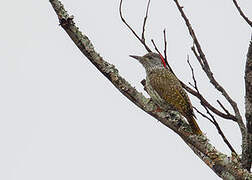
pixel 194 126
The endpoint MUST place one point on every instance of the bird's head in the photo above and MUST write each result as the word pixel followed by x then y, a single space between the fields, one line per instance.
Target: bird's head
pixel 150 60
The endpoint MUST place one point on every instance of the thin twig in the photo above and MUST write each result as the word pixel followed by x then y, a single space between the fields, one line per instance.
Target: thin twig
pixel 193 76
pixel 131 29
pixel 145 19
pixel 203 115
pixel 213 158
pixel 155 46
pixel 242 14
pixel 206 103
pixel 197 56
pixel 222 106
pixel 208 112
pixel 165 48
pixel 216 124
pixel 203 101
pixel 206 68
pixel 221 132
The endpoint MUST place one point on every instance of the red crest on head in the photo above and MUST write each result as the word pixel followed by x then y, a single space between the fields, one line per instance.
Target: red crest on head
pixel 162 59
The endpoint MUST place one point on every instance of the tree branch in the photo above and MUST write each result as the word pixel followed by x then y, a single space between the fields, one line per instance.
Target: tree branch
pixel 144 22
pixel 206 103
pixel 132 30
pixel 222 165
pixel 212 120
pixel 199 54
pixel 222 106
pixel 247 160
pixel 165 47
pixel 242 14
pixel 203 101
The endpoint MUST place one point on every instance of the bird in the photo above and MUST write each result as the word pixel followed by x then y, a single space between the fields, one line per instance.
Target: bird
pixel 165 88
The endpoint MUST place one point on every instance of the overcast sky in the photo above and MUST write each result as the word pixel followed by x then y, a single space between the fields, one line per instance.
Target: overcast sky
pixel 62 119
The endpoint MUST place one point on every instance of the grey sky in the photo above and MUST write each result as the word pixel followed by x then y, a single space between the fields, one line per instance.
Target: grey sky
pixel 61 119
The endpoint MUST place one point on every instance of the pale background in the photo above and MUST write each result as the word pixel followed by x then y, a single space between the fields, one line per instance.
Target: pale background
pixel 62 119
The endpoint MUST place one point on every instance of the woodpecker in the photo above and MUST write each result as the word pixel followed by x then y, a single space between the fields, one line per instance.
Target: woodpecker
pixel 165 89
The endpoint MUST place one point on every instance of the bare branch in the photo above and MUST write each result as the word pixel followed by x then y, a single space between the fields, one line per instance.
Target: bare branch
pixel 221 132
pixel 131 29
pixel 221 105
pixel 247 160
pixel 206 103
pixel 203 115
pixel 155 46
pixel 193 76
pixel 165 48
pixel 242 14
pixel 206 68
pixel 221 164
pixel 145 19
pixel 215 123
pixel 208 112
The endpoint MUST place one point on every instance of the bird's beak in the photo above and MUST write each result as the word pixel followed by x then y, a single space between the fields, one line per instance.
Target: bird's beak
pixel 136 57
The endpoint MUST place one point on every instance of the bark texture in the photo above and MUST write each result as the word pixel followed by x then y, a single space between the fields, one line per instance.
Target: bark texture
pixel 224 166
pixel 247 159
